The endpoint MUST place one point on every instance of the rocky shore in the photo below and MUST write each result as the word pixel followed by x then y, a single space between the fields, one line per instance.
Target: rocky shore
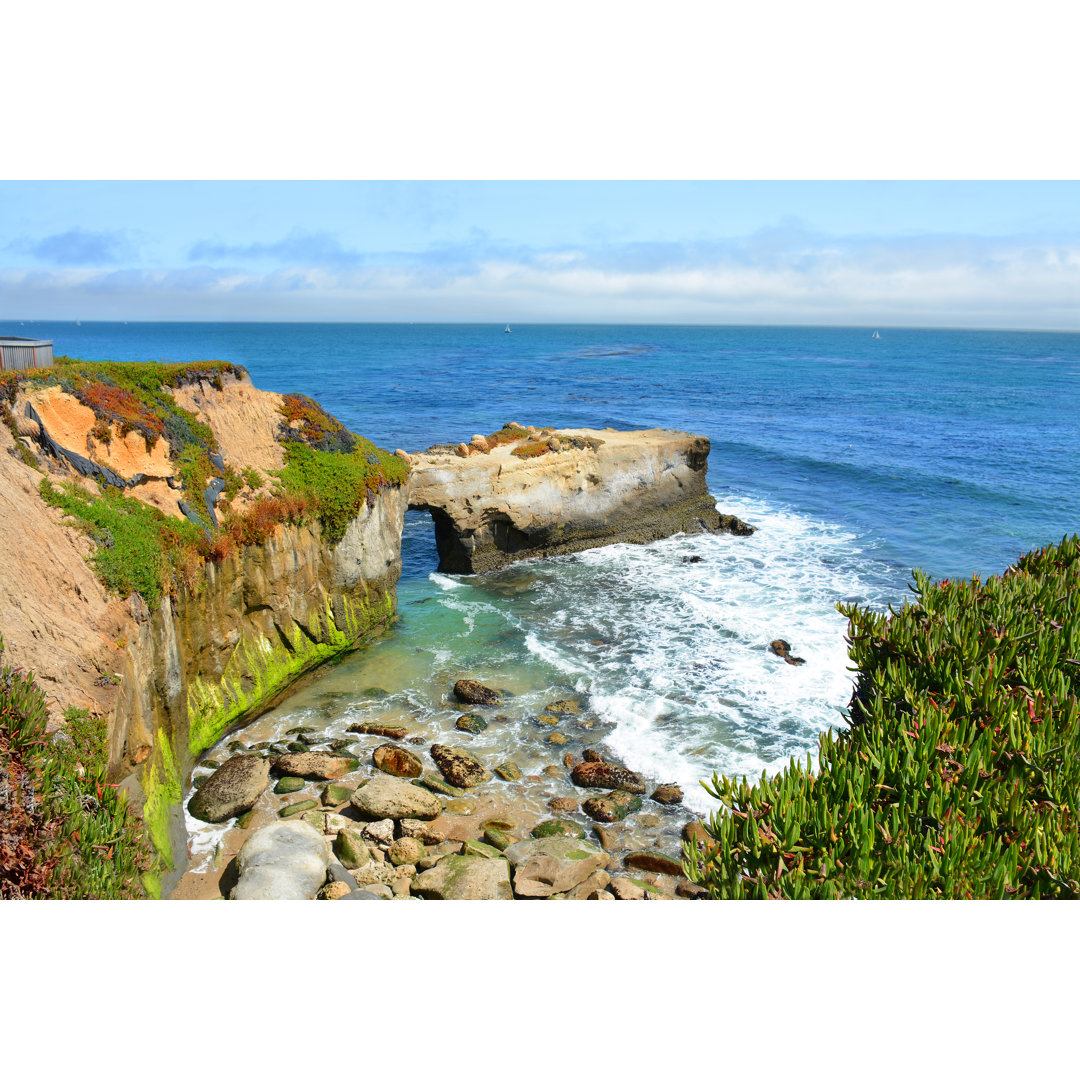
pixel 184 550
pixel 388 815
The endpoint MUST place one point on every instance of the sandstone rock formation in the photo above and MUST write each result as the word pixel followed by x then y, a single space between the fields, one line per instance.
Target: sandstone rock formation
pixel 601 487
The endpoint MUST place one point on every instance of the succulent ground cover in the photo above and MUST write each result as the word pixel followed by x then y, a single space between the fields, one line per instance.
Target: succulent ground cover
pixel 65 833
pixel 959 775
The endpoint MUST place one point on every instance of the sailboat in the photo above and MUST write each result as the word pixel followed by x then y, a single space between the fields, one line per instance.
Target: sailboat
pixel 508 330
pixel 877 335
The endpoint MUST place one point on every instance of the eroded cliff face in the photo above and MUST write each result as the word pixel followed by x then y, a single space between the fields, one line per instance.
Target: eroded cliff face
pixel 492 507
pixel 203 664
pixel 227 644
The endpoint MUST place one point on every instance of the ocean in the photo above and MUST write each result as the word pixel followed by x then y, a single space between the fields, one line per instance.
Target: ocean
pixel 856 458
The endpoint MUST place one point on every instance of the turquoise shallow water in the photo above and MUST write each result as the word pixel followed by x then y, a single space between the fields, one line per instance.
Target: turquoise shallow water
pixel 856 458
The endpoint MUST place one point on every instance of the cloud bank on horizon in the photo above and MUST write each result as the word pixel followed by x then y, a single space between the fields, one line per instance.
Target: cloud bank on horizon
pixel 783 272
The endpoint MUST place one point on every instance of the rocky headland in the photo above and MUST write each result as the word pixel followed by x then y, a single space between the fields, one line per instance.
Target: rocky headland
pixel 182 550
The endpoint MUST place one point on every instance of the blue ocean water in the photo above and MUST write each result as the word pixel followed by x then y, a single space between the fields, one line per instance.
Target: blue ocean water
pixel 856 458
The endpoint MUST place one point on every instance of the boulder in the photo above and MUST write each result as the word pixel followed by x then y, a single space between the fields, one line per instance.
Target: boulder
pixel 611 807
pixel 397 761
pixel 668 794
pixel 554 865
pixel 388 797
pixel 315 765
pixel 288 784
pixel 478 442
pixel 603 774
pixel 470 692
pixel 688 890
pixel 286 860
pixel 694 833
pixel 232 789
pixel 465 877
pixel 458 766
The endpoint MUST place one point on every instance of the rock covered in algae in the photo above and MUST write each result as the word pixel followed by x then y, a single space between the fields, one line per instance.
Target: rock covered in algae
pixel 458 766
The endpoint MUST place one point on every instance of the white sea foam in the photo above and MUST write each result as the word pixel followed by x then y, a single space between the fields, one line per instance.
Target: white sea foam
pixel 675 654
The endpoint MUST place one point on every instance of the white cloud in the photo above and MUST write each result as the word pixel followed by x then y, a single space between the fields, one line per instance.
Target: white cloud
pixel 783 275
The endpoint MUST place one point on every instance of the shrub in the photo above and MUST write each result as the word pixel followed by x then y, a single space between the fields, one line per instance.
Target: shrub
pixel 531 450
pixel 72 835
pixel 959 775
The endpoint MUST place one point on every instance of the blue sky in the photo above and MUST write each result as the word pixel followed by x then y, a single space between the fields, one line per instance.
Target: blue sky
pixel 985 253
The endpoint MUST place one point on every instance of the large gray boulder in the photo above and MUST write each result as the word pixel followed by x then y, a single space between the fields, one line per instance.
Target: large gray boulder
pixel 465 877
pixel 387 797
pixel 555 865
pixel 232 789
pixel 283 861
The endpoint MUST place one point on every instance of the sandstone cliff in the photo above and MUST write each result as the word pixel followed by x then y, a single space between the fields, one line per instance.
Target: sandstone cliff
pixel 266 595
pixel 554 492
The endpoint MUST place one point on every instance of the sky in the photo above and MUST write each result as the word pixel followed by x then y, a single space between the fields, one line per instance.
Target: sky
pixel 889 253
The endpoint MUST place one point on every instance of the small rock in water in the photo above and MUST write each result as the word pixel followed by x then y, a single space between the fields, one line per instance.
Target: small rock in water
pixel 692 559
pixel 333 794
pixel 485 851
pixel 297 808
pixel 397 761
pixel 288 784
pixel 590 755
pixel 295 747
pixel 668 794
pixel 694 833
pixel 508 771
pixel 244 820
pixel 314 765
pixel 554 772
pixel 548 721
pixel 498 838
pixel 439 786
pixel 464 807
pixel 459 766
pixel 558 738
pixel 569 760
pixel 606 838
pixel 604 775
pixel 611 807
pixel 471 692
pixel 384 731
pixel 562 805
pixel 562 708
pixel 558 827
pixel 783 650
pixel 472 723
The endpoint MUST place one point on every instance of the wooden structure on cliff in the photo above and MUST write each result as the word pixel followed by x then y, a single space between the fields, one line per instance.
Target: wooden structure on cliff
pixel 22 353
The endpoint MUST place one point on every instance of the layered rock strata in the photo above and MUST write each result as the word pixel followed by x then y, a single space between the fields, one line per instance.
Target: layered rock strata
pixel 494 507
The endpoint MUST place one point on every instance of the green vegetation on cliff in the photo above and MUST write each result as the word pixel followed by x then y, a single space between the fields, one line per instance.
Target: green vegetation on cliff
pixel 65 833
pixel 960 774
pixel 137 547
pixel 329 474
